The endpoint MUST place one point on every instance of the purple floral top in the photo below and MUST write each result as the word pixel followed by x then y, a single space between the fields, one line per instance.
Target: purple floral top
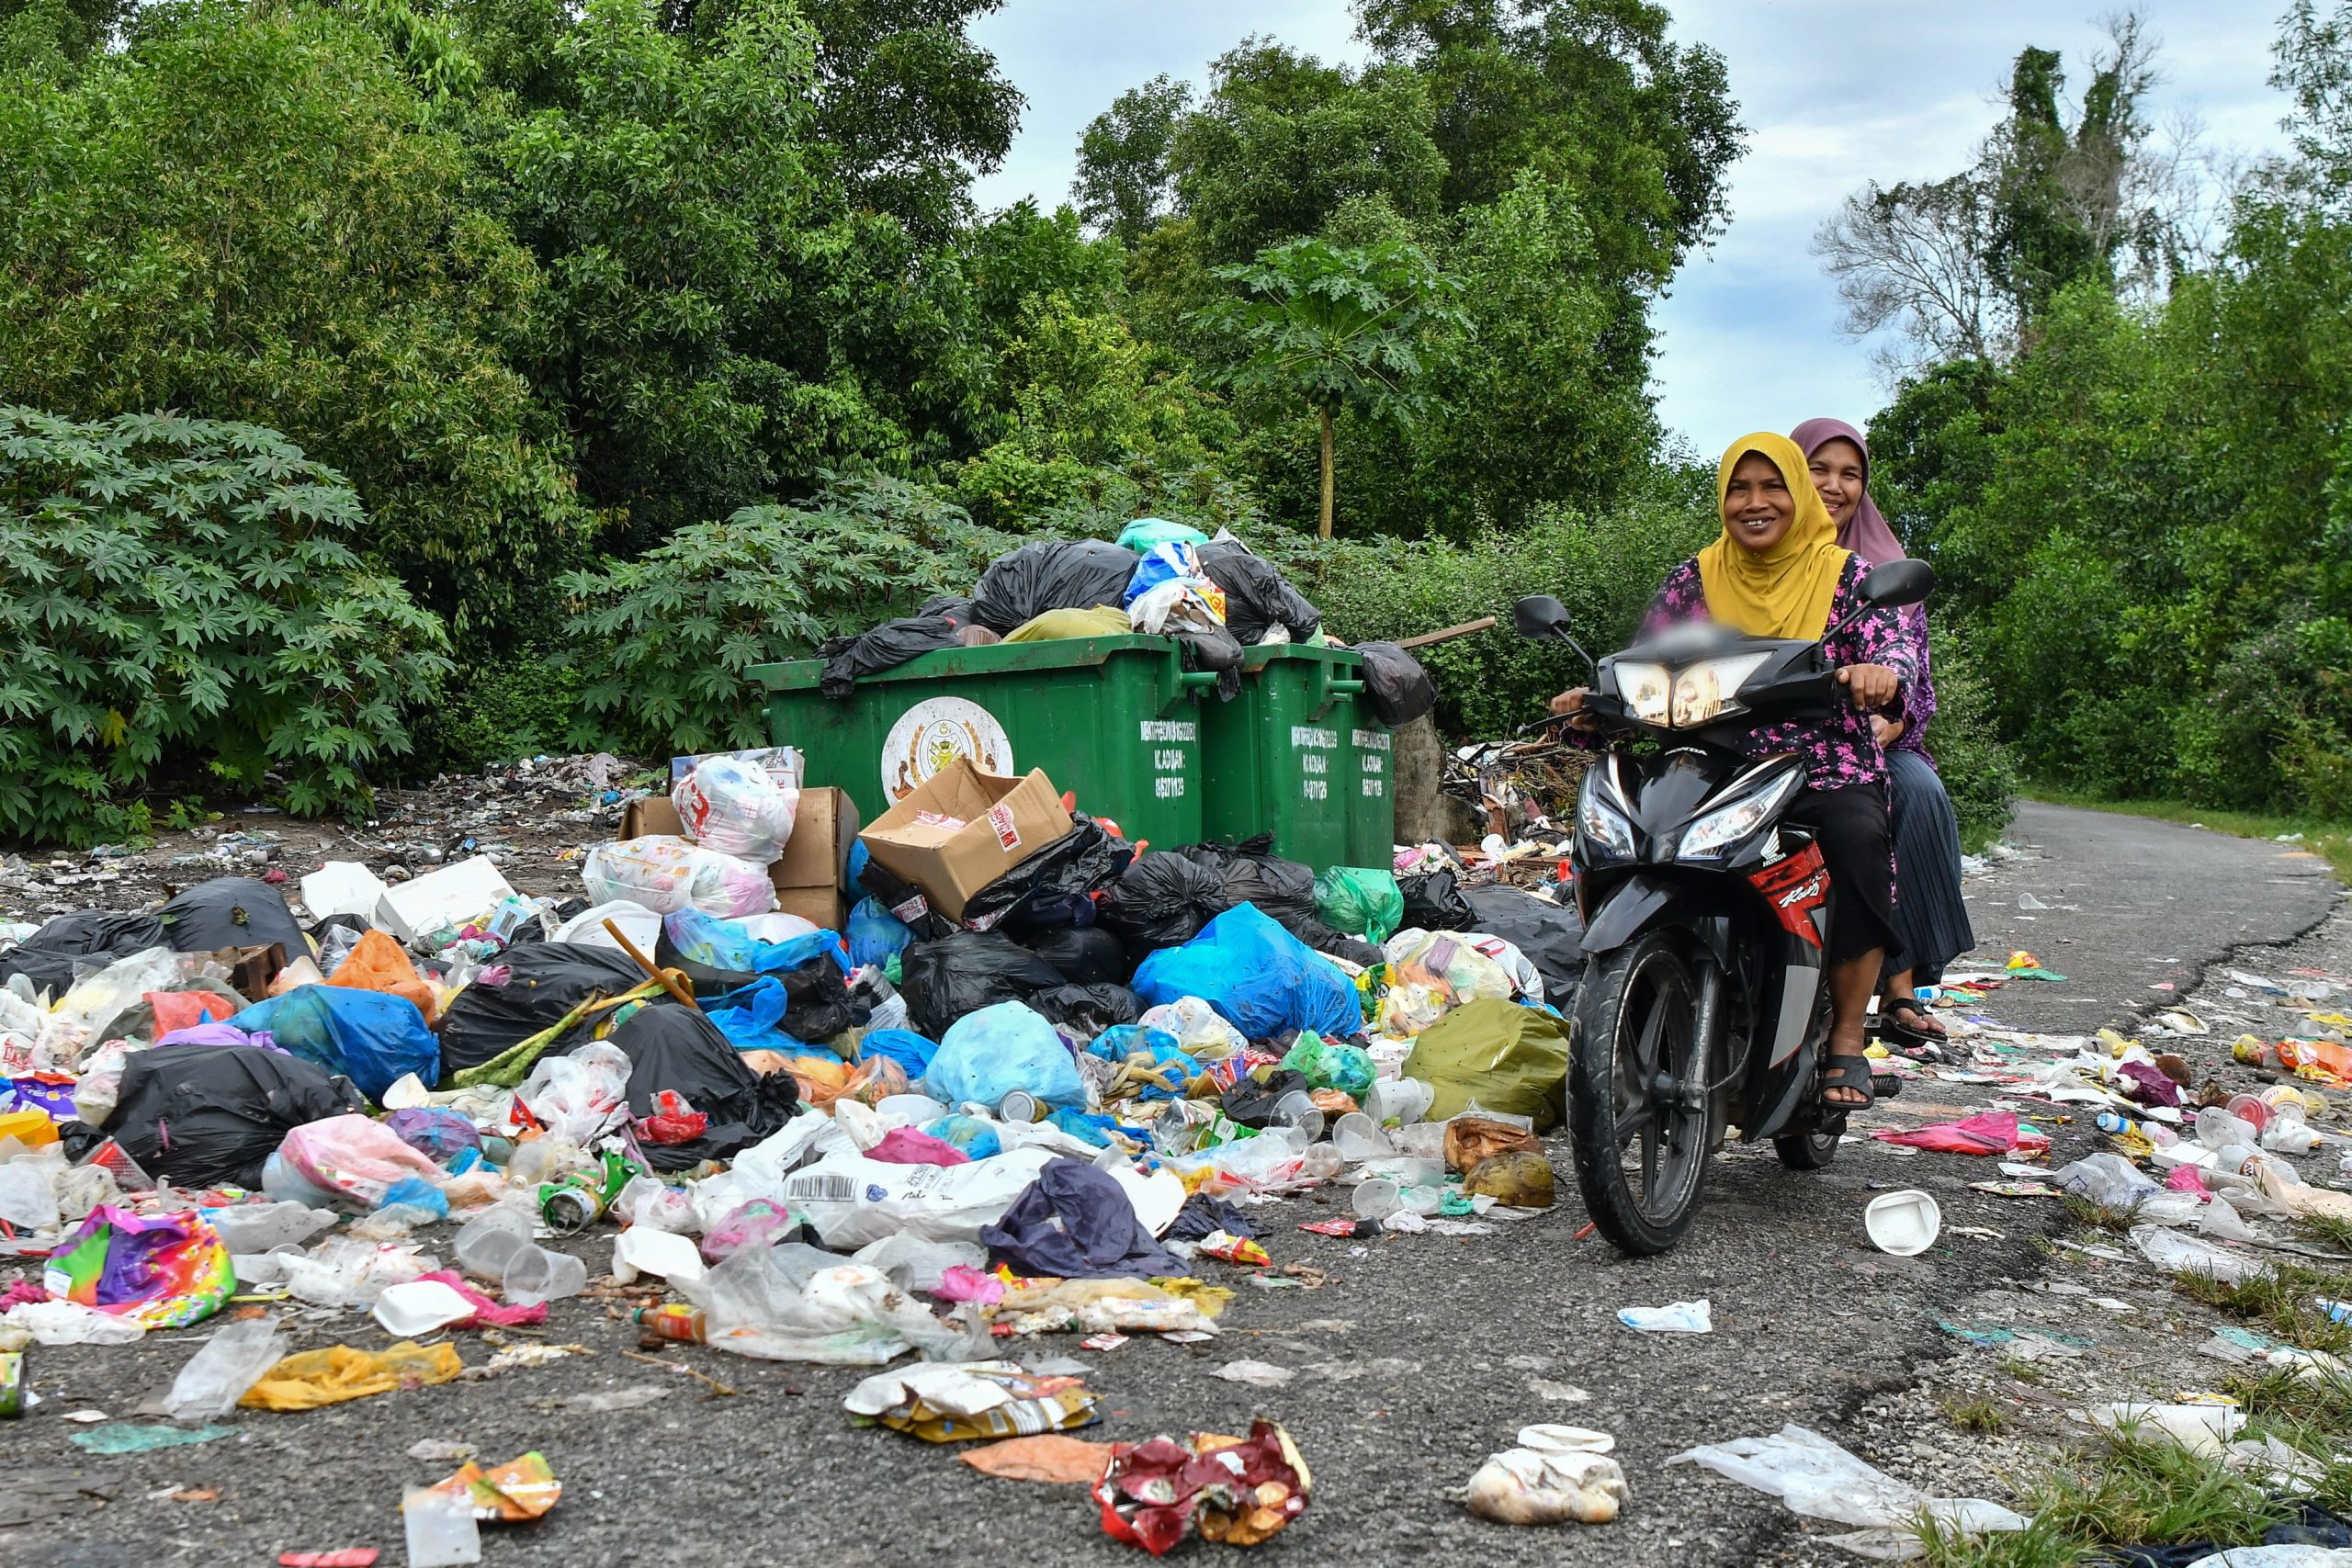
pixel 1843 750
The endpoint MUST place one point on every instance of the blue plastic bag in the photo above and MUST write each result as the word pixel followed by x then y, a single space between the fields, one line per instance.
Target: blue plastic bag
pixel 988 1054
pixel 1163 563
pixel 1124 1041
pixel 373 1038
pixel 1257 975
pixel 875 933
pixel 750 1017
pixel 904 1046
pixel 724 945
pixel 975 1135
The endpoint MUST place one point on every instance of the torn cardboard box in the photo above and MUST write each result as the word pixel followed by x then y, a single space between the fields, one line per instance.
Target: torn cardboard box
pixel 961 830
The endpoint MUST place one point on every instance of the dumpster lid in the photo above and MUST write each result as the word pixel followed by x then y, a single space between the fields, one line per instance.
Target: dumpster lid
pixel 990 658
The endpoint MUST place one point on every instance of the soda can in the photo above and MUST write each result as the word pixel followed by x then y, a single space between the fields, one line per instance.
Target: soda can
pixel 570 1208
pixel 1021 1106
pixel 12 1384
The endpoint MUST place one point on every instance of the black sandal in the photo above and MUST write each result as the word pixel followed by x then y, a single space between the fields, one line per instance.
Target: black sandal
pixel 1848 1073
pixel 1893 1009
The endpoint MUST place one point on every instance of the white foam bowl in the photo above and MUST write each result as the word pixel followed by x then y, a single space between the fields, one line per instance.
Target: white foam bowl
pixel 1903 1224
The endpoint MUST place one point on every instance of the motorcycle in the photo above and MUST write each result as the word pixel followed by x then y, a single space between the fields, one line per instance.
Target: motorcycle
pixel 1705 1002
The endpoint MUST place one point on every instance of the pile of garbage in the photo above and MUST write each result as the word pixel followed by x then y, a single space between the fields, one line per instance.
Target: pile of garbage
pixel 1031 1082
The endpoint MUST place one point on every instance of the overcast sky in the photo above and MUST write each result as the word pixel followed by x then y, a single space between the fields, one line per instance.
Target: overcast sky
pixel 1834 92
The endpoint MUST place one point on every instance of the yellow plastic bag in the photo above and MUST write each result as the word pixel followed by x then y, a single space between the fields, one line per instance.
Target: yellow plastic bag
pixel 315 1377
pixel 1055 626
pixel 1504 1056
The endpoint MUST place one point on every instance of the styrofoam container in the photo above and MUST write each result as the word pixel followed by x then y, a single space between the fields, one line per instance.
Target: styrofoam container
pixel 421 1306
pixel 342 887
pixel 442 897
pixel 1903 1224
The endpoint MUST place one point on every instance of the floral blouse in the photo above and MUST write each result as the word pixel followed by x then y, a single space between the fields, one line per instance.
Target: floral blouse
pixel 1841 751
pixel 1919 690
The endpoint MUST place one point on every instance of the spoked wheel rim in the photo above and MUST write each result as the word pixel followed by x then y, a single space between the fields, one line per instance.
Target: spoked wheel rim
pixel 1661 1144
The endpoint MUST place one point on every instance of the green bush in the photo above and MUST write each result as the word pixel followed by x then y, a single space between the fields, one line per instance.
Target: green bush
pixel 663 642
pixel 520 705
pixel 1978 771
pixel 184 593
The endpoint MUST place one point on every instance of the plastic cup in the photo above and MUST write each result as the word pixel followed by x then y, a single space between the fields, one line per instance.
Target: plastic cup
pixel 1422 1140
pixel 1376 1199
pixel 440 1529
pixel 1358 1137
pixel 1298 1109
pixel 1902 1223
pixel 537 1275
pixel 1401 1100
pixel 489 1243
pixel 2252 1110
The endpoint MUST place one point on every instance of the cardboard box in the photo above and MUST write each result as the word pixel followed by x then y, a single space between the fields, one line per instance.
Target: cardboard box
pixel 964 828
pixel 810 874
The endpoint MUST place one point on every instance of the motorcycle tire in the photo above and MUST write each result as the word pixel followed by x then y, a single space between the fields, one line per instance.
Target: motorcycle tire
pixel 1636 1017
pixel 1811 1150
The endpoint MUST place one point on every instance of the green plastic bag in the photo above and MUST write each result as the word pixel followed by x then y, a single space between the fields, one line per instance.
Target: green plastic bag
pixel 1360 902
pixel 1144 533
pixel 1347 1068
pixel 1507 1057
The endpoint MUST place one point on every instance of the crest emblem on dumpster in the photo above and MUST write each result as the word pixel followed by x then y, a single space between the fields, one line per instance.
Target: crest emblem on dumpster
pixel 934 733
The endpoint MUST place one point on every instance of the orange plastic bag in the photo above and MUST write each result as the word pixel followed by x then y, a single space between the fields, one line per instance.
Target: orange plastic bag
pixel 378 964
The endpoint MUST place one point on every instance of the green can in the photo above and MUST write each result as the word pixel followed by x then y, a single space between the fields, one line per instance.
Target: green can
pixel 1115 720
pixel 1300 754
pixel 12 1384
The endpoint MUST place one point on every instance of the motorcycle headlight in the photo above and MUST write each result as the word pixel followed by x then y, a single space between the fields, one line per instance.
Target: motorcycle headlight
pixel 1602 824
pixel 1703 692
pixel 1719 830
pixel 1647 690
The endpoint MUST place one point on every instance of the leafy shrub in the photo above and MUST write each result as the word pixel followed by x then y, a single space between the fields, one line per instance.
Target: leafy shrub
pixel 1978 770
pixel 183 593
pixel 665 642
pixel 520 705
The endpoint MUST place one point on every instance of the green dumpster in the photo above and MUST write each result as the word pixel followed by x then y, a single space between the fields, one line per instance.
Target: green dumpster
pixel 1115 719
pixel 1301 754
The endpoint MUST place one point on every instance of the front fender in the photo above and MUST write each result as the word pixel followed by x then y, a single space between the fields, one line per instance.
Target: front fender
pixel 1645 900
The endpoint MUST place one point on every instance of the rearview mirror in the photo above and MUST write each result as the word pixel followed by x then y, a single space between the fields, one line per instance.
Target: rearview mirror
pixel 1892 585
pixel 1540 616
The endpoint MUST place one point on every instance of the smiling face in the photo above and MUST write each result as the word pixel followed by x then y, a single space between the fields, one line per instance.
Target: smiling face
pixel 1757 507
pixel 1838 473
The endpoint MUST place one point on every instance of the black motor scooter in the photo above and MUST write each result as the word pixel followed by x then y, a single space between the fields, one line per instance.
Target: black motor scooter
pixel 1705 1002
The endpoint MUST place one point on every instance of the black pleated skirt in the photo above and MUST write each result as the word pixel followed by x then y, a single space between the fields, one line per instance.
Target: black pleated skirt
pixel 1931 925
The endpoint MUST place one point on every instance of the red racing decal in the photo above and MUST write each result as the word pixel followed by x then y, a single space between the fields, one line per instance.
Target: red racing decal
pixel 1795 887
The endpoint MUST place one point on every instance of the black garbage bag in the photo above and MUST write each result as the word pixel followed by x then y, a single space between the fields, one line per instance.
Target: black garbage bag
pixel 545 980
pixel 673 1047
pixel 1052 574
pixel 1251 1100
pixel 1552 935
pixel 90 939
pixel 1163 901
pixel 818 1004
pixel 1216 649
pixel 1433 902
pixel 205 1115
pixel 1088 1009
pixel 888 646
pixel 1283 890
pixel 1400 690
pixel 960 974
pixel 904 900
pixel 1086 955
pixel 231 911
pixel 1055 886
pixel 1338 944
pixel 1257 597
pixel 949 606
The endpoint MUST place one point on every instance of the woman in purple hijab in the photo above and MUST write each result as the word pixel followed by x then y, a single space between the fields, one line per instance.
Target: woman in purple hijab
pixel 1931 922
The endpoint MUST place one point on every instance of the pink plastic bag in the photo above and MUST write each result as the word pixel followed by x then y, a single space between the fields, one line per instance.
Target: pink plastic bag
pixel 1990 1133
pixel 355 1160
pixel 904 1145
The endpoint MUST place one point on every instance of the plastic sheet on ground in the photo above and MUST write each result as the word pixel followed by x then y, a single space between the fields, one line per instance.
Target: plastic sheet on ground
pixel 960 1402
pixel 2178 1254
pixel 850 1200
pixel 1815 1477
pixel 339 1373
pixel 790 1303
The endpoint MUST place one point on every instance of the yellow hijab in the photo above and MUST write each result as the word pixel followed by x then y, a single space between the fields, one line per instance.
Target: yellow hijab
pixel 1783 591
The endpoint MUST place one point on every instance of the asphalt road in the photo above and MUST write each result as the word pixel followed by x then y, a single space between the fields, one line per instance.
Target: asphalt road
pixel 1416 1356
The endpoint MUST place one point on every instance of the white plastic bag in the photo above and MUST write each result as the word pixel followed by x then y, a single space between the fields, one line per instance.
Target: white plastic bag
pixel 850 1200
pixel 2178 1254
pixel 1815 1477
pixel 736 807
pixel 667 874
pixel 577 1097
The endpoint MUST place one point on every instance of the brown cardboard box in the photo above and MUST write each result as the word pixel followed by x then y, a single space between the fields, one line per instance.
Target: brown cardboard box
pixel 964 828
pixel 808 874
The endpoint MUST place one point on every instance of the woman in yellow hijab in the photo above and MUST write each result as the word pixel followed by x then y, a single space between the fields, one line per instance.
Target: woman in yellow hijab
pixel 1777 571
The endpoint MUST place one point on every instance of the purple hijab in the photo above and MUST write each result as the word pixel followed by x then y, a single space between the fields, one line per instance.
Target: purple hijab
pixel 1867 535
pixel 1866 532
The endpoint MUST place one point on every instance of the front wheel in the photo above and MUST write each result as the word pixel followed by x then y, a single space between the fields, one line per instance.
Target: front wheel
pixel 1641 1145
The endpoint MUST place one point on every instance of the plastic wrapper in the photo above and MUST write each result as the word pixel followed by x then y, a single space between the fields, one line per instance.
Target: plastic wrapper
pixel 577 1098
pixel 1815 1477
pixel 666 873
pixel 1199 1028
pixel 1186 605
pixel 1241 1493
pixel 736 807
pixel 315 1379
pixel 229 1363
pixel 962 1402
pixel 988 1054
pixel 163 1271
pixel 850 1200
pixel 1262 978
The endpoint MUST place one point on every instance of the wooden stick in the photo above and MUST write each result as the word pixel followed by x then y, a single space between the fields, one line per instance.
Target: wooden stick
pixel 1466 628
pixel 669 981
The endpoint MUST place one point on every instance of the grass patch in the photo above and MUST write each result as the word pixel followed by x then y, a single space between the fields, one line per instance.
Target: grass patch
pixel 2116 1222
pixel 1973 1412
pixel 2128 1492
pixel 2332 841
pixel 2279 1303
pixel 2024 1371
pixel 2038 1546
pixel 2325 1230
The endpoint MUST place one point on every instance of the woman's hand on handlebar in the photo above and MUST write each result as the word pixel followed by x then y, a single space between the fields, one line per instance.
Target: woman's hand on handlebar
pixel 1570 705
pixel 1871 685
